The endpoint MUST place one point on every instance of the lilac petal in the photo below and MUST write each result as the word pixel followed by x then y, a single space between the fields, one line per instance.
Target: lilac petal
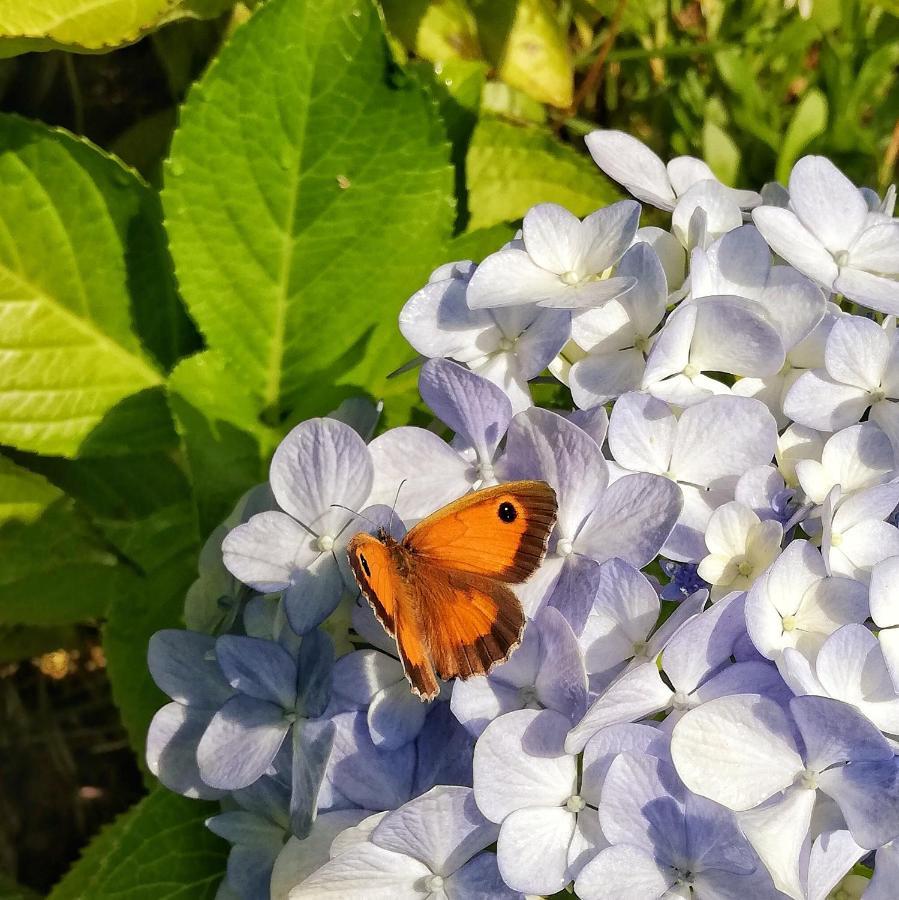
pixel 884 595
pixel 833 854
pixel 172 750
pixel 606 234
pixel 686 543
pixel 561 681
pixel 543 445
pixel 572 594
pixel 703 643
pixel 868 796
pixel 857 352
pixel 872 290
pixel 886 874
pixel 749 677
pixel 834 732
pixel 877 249
pixel 445 751
pixel 267 551
pixel 632 521
pixel 539 344
pixel 602 377
pixel 736 750
pixel 368 777
pixel 792 241
pixel 793 303
pixel 633 165
pixel 312 745
pixel 395 716
pixel 816 400
pixel 732 335
pixel 299 859
pixel 431 472
pixel 314 594
pixel 183 665
pixel 624 871
pixel 241 742
pixel 646 301
pixel 319 463
pixel 552 237
pixel 686 609
pixel 479 879
pixel 315 664
pixel 714 840
pixel 827 202
pixel 643 805
pixel 437 321
pixel 625 609
pixel 532 850
pixel 779 833
pixel 737 263
pixel 607 744
pixel 642 433
pixel 520 762
pixel 588 294
pixel 478 701
pixel 638 693
pixel 249 868
pixel 371 631
pixel 365 871
pixel 509 278
pixel 474 408
pixel 443 828
pixel 720 438
pixel 258 668
pixel 240 827
pixel 671 351
pixel 520 670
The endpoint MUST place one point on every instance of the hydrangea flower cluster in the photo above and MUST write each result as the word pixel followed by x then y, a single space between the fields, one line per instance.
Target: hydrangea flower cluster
pixel 705 702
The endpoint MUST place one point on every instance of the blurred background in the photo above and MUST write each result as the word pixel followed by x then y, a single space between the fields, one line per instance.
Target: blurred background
pixel 749 86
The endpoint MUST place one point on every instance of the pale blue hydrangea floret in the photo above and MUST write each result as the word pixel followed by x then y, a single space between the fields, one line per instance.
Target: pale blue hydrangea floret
pixel 734 434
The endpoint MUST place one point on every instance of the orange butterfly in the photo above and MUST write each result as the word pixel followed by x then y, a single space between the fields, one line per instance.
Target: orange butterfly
pixel 441 591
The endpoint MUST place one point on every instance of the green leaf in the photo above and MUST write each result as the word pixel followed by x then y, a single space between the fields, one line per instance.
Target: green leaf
pixel 57 569
pixel 523 40
pixel 227 449
pixel 158 850
pixel 70 354
pixel 720 152
pixel 475 245
pixel 308 195
pixel 90 24
pixel 18 642
pixel 24 495
pixel 512 167
pixel 437 30
pixel 808 122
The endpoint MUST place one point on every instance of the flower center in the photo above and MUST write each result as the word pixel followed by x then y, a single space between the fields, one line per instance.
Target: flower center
pixel 681 700
pixel 575 803
pixel 836 539
pixel 527 695
pixel 325 543
pixel 564 547
pixel 878 395
pixel 486 471
pixel 842 258
pixel 808 779
pixel 690 370
pixel 789 623
pixel 745 568
pixel 435 883
pixel 570 278
pixel 640 648
pixel 641 344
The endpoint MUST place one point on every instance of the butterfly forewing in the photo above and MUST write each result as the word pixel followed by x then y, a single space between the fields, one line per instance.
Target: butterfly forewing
pixel 374 571
pixel 499 532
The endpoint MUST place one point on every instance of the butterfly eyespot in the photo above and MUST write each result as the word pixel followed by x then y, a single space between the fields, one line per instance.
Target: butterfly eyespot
pixel 365 567
pixel 507 512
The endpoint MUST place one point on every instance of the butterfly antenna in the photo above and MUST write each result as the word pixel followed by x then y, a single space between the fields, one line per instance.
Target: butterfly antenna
pixel 356 514
pixel 396 499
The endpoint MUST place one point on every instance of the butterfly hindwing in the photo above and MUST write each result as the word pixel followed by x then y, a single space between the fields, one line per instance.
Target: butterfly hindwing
pixel 470 622
pixel 498 532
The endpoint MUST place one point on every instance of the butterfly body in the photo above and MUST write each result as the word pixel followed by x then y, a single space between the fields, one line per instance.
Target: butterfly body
pixel 442 591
